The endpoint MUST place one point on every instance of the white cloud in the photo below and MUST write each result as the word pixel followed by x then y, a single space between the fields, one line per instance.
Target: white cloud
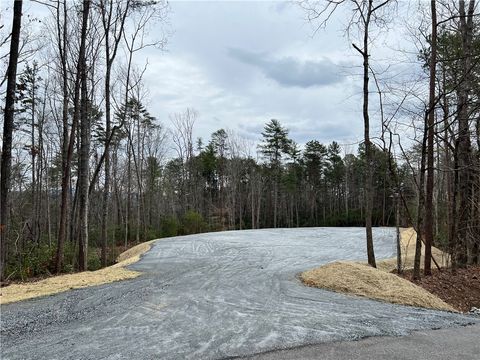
pixel 285 72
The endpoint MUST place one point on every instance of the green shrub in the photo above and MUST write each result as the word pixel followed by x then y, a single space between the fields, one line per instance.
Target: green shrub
pixel 193 223
pixel 35 260
pixel 151 234
pixel 93 259
pixel 169 227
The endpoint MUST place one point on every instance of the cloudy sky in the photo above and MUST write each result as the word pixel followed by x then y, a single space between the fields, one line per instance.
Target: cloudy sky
pixel 240 64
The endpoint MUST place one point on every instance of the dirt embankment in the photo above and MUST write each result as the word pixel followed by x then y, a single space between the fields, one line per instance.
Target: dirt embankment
pixel 461 288
pixel 57 284
pixel 380 284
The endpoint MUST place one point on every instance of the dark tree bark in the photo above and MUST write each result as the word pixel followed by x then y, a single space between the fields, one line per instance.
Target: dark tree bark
pixel 83 170
pixel 107 8
pixel 6 165
pixel 368 144
pixel 83 176
pixel 62 49
pixel 76 115
pixel 430 146
pixel 421 204
pixel 464 143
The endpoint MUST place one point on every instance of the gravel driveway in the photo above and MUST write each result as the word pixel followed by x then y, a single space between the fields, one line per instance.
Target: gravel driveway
pixel 213 296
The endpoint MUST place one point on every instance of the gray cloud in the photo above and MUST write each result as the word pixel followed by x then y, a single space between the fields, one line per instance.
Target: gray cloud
pixel 198 71
pixel 325 131
pixel 289 71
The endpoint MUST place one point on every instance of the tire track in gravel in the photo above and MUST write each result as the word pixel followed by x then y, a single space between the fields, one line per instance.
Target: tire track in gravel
pixel 211 296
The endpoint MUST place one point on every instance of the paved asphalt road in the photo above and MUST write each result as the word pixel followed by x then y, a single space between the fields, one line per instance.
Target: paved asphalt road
pixel 445 344
pixel 214 296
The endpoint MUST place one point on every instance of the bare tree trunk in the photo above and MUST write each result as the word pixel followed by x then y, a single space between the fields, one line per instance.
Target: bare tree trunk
pixel 421 207
pixel 62 46
pixel 129 192
pixel 430 146
pixel 68 160
pixel 83 177
pixel 110 54
pixel 47 205
pixel 6 165
pixel 447 167
pixel 33 154
pixel 454 220
pixel 252 201
pixel 464 145
pixel 397 224
pixel 368 144
pixel 275 197
pixel 106 189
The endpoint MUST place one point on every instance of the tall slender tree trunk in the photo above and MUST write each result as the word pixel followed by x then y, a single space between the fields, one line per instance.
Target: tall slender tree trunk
pixel 71 142
pixel 252 202
pixel 368 144
pixel 83 177
pixel 33 154
pixel 397 224
pixel 6 165
pixel 430 146
pixel 129 192
pixel 62 45
pixel 275 199
pixel 447 167
pixel 464 144
pixel 83 174
pixel 106 189
pixel 421 205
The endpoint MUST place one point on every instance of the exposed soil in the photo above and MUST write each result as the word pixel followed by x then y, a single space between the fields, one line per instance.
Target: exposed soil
pixel 460 290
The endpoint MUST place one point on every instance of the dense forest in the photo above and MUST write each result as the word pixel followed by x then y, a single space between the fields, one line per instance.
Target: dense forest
pixel 87 170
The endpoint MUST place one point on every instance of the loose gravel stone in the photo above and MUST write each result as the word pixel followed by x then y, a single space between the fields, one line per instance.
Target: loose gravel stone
pixel 211 296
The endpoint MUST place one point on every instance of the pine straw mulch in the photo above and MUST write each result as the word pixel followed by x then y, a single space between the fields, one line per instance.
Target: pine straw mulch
pixel 408 241
pixel 362 280
pixel 381 283
pixel 61 283
pixel 461 289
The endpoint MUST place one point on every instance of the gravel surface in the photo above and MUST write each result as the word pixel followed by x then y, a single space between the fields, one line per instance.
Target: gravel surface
pixel 212 296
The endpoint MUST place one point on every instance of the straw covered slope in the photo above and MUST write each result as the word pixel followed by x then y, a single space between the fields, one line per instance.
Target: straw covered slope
pixel 408 240
pixel 61 283
pixel 360 279
pixel 363 280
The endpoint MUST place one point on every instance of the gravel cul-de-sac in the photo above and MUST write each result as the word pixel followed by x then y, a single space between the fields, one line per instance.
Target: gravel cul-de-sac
pixel 214 296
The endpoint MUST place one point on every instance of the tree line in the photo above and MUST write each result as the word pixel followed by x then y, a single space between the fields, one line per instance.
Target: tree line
pixel 87 170
pixel 440 106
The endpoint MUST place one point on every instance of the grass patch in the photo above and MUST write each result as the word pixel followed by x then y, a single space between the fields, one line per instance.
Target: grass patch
pixel 360 279
pixel 61 283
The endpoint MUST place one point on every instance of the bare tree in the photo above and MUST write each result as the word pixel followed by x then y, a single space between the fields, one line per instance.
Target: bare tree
pixel 62 52
pixel 464 142
pixel 6 165
pixel 113 19
pixel 430 144
pixel 83 168
pixel 366 13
